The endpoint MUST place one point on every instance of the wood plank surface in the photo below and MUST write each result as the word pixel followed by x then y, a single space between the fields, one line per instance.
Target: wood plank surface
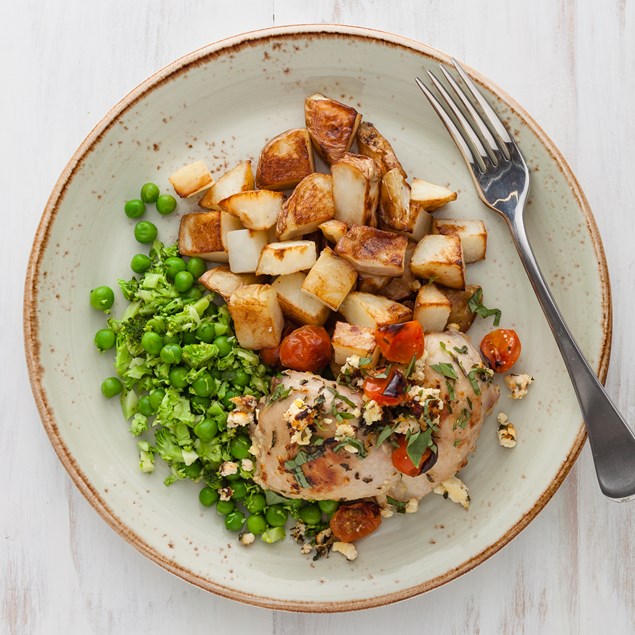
pixel 62 570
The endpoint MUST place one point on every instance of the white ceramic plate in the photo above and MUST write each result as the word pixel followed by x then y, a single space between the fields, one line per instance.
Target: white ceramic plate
pixel 220 104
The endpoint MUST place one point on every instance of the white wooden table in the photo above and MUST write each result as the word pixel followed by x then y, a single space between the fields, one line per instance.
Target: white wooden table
pixel 62 570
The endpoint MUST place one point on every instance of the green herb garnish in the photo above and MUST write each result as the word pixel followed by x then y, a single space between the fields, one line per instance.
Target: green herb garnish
pixel 475 304
pixel 445 369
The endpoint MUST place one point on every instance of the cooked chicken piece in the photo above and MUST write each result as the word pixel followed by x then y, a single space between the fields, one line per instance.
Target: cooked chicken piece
pixel 458 428
pixel 332 475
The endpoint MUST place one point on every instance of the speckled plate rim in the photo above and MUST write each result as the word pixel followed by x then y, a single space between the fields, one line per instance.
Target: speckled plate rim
pixel 31 326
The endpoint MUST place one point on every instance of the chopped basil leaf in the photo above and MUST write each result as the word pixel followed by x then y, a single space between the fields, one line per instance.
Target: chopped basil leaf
pixel 478 372
pixel 280 392
pixel 469 403
pixel 383 435
pixel 456 443
pixel 400 506
pixel 385 372
pixel 352 441
pixel 450 386
pixel 417 445
pixel 364 361
pixel 475 304
pixel 445 369
pixel 462 350
pixel 461 422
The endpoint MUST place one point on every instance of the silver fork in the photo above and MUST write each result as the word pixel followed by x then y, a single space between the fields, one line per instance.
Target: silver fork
pixel 501 177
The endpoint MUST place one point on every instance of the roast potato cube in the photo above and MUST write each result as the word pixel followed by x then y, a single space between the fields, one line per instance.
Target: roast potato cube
pixel 204 234
pixel 472 233
pixel 395 210
pixel 191 179
pixel 239 179
pixel 333 230
pixel 373 311
pixel 460 314
pixel 440 258
pixel 407 285
pixel 432 309
pixel 285 160
pixel 297 305
pixel 258 319
pixel 331 125
pixel 372 144
pixel 372 284
pixel 279 259
pixel 330 280
pixel 351 339
pixel 310 205
pixel 373 251
pixel 221 280
pixel 244 247
pixel 256 209
pixel 422 223
pixel 428 196
pixel 356 189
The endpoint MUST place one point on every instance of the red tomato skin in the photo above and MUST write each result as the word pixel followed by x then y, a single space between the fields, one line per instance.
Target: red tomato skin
pixel 375 387
pixel 306 349
pixel 501 348
pixel 402 462
pixel 355 521
pixel 399 342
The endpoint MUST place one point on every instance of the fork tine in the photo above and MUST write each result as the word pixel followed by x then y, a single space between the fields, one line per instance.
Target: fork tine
pixel 470 157
pixel 496 124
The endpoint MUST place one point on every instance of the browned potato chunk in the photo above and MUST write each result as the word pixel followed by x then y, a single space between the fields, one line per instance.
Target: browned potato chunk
pixel 373 311
pixel 374 145
pixel 239 179
pixel 256 209
pixel 440 258
pixel 400 289
pixel 279 259
pixel 333 230
pixel 395 210
pixel 204 234
pixel 356 189
pixel 372 284
pixel 351 339
pixel 297 305
pixel 422 223
pixel 373 251
pixel 285 160
pixel 244 247
pixel 332 126
pixel 191 179
pixel 330 279
pixel 460 314
pixel 307 208
pixel 221 280
pixel 432 309
pixel 258 320
pixel 428 196
pixel 472 233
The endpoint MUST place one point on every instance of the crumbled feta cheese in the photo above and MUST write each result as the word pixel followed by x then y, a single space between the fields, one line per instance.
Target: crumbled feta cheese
pixel 506 431
pixel 254 449
pixel 299 415
pixel 411 506
pixel 245 403
pixel 225 493
pixel 302 437
pixel 418 372
pixel 247 465
pixel 372 412
pixel 351 449
pixel 518 384
pixel 347 549
pixel 247 539
pixel 307 547
pixel 454 489
pixel 297 531
pixel 238 418
pixel 323 536
pixel 386 512
pixel 406 423
pixel 344 430
pixel 352 362
pixel 422 394
pixel 228 468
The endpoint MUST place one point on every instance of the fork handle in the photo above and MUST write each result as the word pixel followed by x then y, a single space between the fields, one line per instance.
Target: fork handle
pixel 612 441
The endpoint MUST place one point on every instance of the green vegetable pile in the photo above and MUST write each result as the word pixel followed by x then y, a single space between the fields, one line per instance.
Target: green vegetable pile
pixel 178 368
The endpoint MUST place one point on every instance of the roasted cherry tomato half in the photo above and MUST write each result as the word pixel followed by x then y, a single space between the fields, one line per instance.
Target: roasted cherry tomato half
pixel 386 391
pixel 399 342
pixel 404 464
pixel 271 356
pixel 501 348
pixel 306 349
pixel 352 522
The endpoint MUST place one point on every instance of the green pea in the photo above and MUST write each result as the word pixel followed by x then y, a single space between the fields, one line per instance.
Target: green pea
pixel 166 204
pixel 233 477
pixel 149 193
pixel 239 490
pixel 105 339
pixel 140 263
pixel 224 345
pixel 311 514
pixel 157 325
pixel 204 385
pixel 206 429
pixel 174 265
pixel 193 294
pixel 134 208
pixel 171 354
pixel 152 342
pixel 201 403
pixel 178 377
pixel 294 504
pixel 183 281
pixel 145 232
pixel 221 329
pixel 277 516
pixel 196 266
pixel 242 378
pixel 256 524
pixel 145 407
pixel 156 397
pixel 172 339
pixel 256 503
pixel 207 496
pixel 328 507
pixel 102 298
pixel 206 332
pixel 225 507
pixel 234 521
pixel 193 470
pixel 227 399
pixel 110 387
pixel 239 447
pixel 189 338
